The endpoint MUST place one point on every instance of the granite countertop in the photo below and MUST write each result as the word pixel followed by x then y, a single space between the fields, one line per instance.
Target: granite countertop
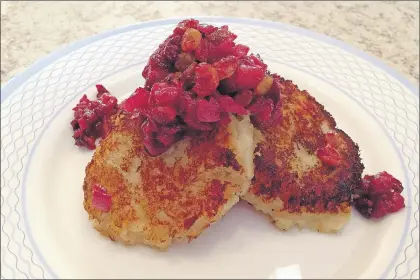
pixel 388 30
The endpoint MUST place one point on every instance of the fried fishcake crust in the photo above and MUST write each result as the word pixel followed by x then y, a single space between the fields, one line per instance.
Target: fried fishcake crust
pixel 291 184
pixel 174 196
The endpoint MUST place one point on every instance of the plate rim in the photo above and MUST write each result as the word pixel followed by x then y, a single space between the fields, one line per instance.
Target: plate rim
pixel 386 272
pixel 8 89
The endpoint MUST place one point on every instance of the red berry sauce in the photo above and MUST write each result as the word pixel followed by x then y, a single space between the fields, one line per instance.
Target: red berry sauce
pixel 378 196
pixel 329 154
pixel 91 118
pixel 194 79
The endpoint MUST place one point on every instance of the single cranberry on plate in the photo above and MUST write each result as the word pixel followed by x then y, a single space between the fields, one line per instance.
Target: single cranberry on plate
pixel 163 114
pixel 244 97
pixel 228 105
pixel 249 73
pixel 139 99
pixel 164 94
pixel 206 80
pixel 261 110
pixel 208 111
pixel 101 200
pixel 329 155
pixel 226 66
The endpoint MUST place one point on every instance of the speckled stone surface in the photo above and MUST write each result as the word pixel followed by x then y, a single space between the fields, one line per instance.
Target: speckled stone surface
pixel 388 30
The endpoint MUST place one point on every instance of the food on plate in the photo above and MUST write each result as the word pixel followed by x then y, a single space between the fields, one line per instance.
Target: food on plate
pixel 378 195
pixel 210 126
pixel 91 118
pixel 199 75
pixel 135 198
pixel 305 168
pixel 170 112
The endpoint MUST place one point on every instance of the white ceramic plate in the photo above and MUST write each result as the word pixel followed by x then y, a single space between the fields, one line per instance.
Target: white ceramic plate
pixel 45 230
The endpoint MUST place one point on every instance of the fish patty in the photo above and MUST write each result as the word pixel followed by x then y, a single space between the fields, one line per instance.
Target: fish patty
pixel 175 196
pixel 291 183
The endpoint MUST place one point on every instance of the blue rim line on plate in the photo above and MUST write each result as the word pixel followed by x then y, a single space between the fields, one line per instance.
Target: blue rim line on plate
pixel 42 63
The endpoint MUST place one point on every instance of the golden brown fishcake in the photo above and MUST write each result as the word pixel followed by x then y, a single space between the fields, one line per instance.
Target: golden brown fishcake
pixel 174 196
pixel 291 184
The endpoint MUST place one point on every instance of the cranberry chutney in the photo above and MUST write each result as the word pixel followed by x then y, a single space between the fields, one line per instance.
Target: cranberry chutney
pixel 194 79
